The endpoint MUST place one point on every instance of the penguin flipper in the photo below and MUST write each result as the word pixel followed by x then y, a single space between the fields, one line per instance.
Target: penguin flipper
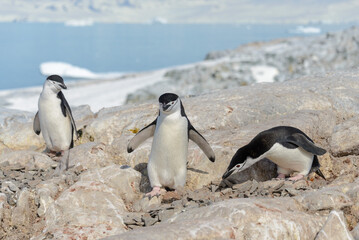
pixel 196 137
pixel 301 141
pixel 141 136
pixel 66 111
pixel 36 124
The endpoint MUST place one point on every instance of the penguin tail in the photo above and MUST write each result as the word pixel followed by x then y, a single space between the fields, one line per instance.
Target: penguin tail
pixel 320 173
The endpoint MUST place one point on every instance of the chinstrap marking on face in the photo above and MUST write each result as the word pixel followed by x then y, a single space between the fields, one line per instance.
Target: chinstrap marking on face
pixel 167 101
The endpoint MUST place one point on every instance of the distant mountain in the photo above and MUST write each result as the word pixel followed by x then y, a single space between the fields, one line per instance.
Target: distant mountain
pixel 183 11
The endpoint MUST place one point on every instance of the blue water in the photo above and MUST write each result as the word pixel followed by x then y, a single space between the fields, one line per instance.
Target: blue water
pixel 119 47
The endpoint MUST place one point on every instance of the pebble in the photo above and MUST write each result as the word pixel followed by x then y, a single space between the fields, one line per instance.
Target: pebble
pixel 149 220
pixel 243 187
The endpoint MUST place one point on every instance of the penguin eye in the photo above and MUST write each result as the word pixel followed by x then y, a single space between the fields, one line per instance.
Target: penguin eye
pixel 238 165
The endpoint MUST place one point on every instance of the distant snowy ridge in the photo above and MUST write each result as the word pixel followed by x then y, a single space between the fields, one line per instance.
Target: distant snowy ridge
pixel 68 70
pixel 306 30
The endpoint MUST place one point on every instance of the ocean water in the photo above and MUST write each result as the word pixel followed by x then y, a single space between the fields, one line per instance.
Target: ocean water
pixel 106 49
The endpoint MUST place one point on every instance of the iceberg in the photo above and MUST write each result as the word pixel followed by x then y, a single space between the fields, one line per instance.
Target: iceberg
pixel 306 30
pixel 67 70
pixel 79 23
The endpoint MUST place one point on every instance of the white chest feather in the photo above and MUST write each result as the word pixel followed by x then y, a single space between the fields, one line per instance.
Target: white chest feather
pixel 55 127
pixel 170 139
pixel 168 158
pixel 296 159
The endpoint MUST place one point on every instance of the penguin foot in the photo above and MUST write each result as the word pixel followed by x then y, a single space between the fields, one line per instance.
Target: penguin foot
pixel 156 191
pixel 59 154
pixel 51 154
pixel 296 177
pixel 280 176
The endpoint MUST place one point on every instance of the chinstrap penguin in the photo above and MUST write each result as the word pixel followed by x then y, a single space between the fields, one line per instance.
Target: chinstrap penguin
pixel 54 117
pixel 171 131
pixel 288 147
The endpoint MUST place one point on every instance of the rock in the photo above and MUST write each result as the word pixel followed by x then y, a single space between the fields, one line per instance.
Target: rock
pixel 355 232
pixel 87 156
pixel 9 187
pixel 334 228
pixel 16 131
pixel 324 199
pixel 344 140
pixel 22 212
pixel 98 200
pixel 46 193
pixel 233 219
pixel 3 200
pixel 124 181
pixel 149 220
pixel 86 205
pixel 27 159
pixel 243 187
pixel 82 116
pixel 275 61
pixel 146 203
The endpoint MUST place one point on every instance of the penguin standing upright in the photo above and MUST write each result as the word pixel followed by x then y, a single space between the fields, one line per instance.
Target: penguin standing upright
pixel 54 117
pixel 288 147
pixel 171 131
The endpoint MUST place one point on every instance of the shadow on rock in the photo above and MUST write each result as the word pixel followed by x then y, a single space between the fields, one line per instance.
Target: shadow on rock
pixel 145 185
pixel 197 170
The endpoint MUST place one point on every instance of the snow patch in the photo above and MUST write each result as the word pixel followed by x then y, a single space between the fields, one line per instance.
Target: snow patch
pixel 264 73
pixel 67 70
pixel 306 30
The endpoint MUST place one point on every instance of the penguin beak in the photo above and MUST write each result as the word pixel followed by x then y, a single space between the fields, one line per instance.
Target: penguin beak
pixel 227 174
pixel 165 107
pixel 63 86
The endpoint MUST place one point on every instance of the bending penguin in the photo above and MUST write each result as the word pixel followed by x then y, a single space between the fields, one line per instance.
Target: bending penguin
pixel 167 165
pixel 54 117
pixel 288 147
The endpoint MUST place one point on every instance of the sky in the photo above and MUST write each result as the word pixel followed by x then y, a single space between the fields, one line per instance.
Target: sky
pixel 182 11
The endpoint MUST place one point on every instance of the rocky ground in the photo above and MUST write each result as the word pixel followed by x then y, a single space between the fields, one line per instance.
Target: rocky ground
pixel 101 195
pixel 278 60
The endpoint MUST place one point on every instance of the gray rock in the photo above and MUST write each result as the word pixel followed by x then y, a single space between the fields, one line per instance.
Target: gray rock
pixel 86 205
pixel 16 131
pixel 82 116
pixel 334 228
pixel 345 140
pixel 146 203
pixel 3 200
pixel 233 219
pixel 29 160
pixel 324 199
pixel 22 212
pixel 355 232
pixel 243 187
pixel 123 181
pixel 286 59
pixel 87 156
pixel 149 220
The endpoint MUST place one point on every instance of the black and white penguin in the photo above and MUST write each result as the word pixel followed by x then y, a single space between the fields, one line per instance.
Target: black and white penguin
pixel 54 117
pixel 288 147
pixel 171 131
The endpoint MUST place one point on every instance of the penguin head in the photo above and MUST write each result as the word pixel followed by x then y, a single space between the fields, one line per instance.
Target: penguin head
pixel 55 83
pixel 169 103
pixel 239 162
